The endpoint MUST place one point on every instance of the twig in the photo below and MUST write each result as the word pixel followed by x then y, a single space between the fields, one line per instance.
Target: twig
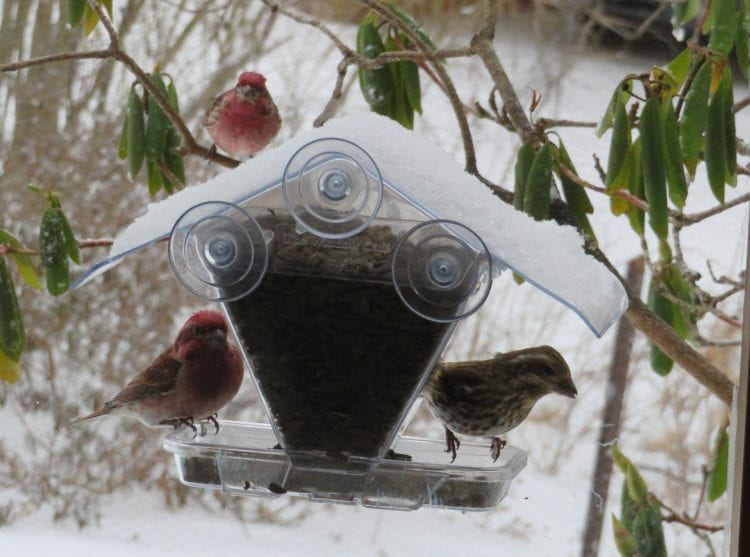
pixel 739 105
pixel 703 215
pixel 98 243
pixel 333 102
pixel 674 517
pixel 555 123
pixel 624 194
pixel 482 45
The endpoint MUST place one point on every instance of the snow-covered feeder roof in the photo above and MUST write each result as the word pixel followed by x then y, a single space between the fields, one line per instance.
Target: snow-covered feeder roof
pixel 545 254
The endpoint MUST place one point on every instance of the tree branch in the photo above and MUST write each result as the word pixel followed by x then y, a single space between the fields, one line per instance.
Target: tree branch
pixel 481 43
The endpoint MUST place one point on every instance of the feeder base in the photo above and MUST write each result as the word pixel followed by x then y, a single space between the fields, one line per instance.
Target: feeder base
pixel 241 460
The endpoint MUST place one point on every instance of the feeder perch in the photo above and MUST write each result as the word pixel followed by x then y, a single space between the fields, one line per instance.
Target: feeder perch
pixel 344 260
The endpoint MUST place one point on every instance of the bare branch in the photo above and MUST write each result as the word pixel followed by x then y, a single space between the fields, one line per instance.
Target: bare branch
pixel 482 45
pixel 739 105
pixel 703 215
pixel 60 57
pixel 333 102
pixel 547 123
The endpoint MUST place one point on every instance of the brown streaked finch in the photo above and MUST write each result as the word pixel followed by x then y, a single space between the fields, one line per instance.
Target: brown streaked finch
pixel 243 120
pixel 191 380
pixel 489 397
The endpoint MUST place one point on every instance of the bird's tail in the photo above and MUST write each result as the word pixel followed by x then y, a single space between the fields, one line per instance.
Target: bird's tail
pixel 103 411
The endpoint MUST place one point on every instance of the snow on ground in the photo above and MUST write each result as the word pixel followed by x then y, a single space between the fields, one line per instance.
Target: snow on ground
pixel 544 512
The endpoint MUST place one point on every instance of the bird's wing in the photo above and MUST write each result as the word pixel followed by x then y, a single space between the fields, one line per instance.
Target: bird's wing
pixel 210 115
pixel 459 381
pixel 156 380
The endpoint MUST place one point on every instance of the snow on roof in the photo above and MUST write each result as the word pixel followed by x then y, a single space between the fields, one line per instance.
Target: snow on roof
pixel 547 255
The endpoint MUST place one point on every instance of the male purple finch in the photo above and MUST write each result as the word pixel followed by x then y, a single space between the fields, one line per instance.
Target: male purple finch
pixel 489 397
pixel 244 119
pixel 191 380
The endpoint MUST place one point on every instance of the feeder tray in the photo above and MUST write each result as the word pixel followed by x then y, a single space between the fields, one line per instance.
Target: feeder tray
pixel 229 462
pixel 343 290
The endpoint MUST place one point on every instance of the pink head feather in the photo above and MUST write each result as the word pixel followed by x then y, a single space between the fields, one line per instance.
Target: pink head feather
pixel 253 79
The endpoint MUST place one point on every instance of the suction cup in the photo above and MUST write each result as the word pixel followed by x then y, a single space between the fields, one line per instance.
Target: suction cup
pixel 442 270
pixel 332 188
pixel 218 251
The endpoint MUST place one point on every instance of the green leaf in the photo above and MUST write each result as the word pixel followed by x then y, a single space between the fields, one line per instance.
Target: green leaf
pixel 156 128
pixel 575 195
pixel 715 150
pixel 12 333
pixel 406 18
pixel 684 12
pixel 71 244
pixel 377 85
pixel 401 110
pixel 675 175
pixel 624 540
pixel 663 308
pixel 25 266
pixel 693 120
pixel 683 290
pixel 730 133
pixel 679 68
pixel 620 94
pixel 54 252
pixel 648 531
pixel 524 160
pixel 742 46
pixel 536 197
pixel 636 215
pixel 154 177
pixel 122 144
pixel 90 19
pixel 10 370
pixel 410 77
pixel 724 26
pixel 136 133
pixel 174 102
pixel 652 160
pixel 619 142
pixel 636 486
pixel 717 479
pixel 75 11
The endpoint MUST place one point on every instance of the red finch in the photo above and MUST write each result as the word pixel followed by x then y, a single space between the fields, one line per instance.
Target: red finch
pixel 191 380
pixel 487 398
pixel 243 120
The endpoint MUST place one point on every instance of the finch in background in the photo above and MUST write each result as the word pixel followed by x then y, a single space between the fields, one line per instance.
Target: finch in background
pixel 489 397
pixel 192 380
pixel 244 119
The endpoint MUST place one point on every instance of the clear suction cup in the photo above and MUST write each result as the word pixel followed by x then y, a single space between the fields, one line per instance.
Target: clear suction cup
pixel 442 270
pixel 218 251
pixel 332 188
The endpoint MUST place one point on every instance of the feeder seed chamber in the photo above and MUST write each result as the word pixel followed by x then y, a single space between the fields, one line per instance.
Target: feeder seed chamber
pixel 343 290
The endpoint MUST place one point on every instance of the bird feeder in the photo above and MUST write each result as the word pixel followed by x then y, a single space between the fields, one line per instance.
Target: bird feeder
pixel 344 259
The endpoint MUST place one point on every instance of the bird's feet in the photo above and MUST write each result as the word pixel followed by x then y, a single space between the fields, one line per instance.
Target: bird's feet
pixel 452 443
pixel 213 419
pixel 496 447
pixel 212 153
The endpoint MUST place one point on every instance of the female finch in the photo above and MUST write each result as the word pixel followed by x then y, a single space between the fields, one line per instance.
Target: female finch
pixel 191 380
pixel 243 120
pixel 487 398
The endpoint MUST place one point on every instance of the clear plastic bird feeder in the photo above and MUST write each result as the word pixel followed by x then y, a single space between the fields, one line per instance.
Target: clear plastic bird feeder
pixel 343 291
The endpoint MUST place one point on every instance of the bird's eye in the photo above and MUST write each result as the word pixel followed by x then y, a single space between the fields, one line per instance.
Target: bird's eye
pixel 198 330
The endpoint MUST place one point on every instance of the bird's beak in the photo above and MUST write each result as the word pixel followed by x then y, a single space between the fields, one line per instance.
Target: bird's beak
pixel 572 391
pixel 217 335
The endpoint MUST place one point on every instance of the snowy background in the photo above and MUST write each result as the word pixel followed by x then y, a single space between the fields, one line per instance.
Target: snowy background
pixel 545 511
